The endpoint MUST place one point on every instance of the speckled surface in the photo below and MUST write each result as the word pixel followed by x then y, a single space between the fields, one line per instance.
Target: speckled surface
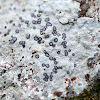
pixel 21 58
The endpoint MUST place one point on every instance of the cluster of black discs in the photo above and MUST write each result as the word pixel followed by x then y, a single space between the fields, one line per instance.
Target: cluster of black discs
pixel 42 39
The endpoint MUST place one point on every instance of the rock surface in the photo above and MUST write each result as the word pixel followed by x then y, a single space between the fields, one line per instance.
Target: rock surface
pixel 59 58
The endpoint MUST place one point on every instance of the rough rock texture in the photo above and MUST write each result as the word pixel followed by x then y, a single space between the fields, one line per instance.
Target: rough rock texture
pixel 22 74
pixel 94 9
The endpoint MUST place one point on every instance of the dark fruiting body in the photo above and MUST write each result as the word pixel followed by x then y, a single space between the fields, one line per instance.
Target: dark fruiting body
pixel 47 65
pixel 26 22
pixel 48 24
pixel 55 62
pixel 63 36
pixel 37 56
pixel 63 43
pixel 46 54
pixel 35 38
pixel 50 43
pixel 56 40
pixel 54 28
pixel 34 22
pixel 47 36
pixel 22 42
pixel 69 50
pixel 27 36
pixel 17 31
pixel 14 39
pixel 47 19
pixel 39 20
pixel 51 58
pixel 44 28
pixel 43 64
pixel 38 15
pixel 66 53
pixel 58 52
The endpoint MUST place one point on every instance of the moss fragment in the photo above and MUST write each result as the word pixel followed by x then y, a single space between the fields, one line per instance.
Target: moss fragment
pixel 91 93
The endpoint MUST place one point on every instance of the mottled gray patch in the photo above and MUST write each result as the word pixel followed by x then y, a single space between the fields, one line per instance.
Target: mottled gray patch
pixel 36 98
pixel 45 93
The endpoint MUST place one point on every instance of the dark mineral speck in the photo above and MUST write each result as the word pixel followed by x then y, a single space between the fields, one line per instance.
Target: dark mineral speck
pixel 19 76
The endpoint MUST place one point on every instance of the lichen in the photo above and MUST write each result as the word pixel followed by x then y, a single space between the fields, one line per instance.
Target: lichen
pixel 47 52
